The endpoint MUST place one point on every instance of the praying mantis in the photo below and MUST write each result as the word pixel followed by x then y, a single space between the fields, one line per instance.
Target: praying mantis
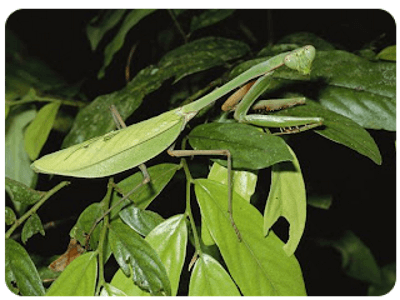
pixel 134 145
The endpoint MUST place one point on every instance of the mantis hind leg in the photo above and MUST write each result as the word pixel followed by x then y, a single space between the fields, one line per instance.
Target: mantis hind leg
pixel 182 153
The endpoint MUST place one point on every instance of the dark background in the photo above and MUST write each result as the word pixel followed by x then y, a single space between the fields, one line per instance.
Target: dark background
pixel 363 193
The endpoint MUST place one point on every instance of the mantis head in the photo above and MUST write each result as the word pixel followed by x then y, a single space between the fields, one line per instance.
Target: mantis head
pixel 301 59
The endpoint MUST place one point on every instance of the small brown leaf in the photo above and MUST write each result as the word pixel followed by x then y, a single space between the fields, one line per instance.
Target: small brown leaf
pixel 74 250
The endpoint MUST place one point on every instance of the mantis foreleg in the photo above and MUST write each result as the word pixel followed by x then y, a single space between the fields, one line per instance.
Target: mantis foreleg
pixel 249 93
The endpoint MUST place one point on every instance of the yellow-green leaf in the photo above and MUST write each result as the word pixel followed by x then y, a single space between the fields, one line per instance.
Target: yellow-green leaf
pixel 287 198
pixel 39 129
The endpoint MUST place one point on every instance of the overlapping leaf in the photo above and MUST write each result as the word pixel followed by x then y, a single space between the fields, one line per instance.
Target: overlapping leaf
pixel 138 259
pixel 209 17
pixel 32 226
pixel 249 147
pixel 209 278
pixel 38 130
pixel 20 273
pixel 142 221
pixel 361 90
pixel 21 193
pixel 258 265
pixel 338 129
pixel 78 278
pixel 130 21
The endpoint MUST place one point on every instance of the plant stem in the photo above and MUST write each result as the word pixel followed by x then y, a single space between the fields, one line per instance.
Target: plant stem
pixel 100 248
pixel 35 207
pixel 188 211
pixel 178 26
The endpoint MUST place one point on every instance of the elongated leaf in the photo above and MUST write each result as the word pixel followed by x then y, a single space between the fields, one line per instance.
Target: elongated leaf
pixel 38 131
pixel 209 278
pixel 32 226
pixel 20 272
pixel 355 87
pixel 249 147
pixel 135 256
pixel 97 29
pixel 17 160
pixel 258 265
pixel 287 198
pixel 338 129
pixel 110 290
pixel 201 55
pixel 78 279
pixel 118 41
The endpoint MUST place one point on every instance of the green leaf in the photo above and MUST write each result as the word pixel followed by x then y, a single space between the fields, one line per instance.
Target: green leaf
pixel 169 240
pixel 32 226
pixel 320 201
pixel 160 175
pixel 110 290
pixel 357 88
pixel 201 55
pixel 357 259
pixel 142 221
pixel 388 276
pixel 209 278
pixel 21 193
pixel 10 216
pixel 113 47
pixel 338 129
pixel 135 256
pixel 97 29
pixel 243 183
pixel 85 222
pixel 209 17
pixel 287 198
pixel 17 160
pixel 258 265
pixel 389 53
pixel 38 131
pixel 78 278
pixel 126 285
pixel 250 148
pixel 306 38
pixel 20 272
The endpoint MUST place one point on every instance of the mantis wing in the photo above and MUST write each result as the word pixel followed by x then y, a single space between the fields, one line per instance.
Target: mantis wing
pixel 116 151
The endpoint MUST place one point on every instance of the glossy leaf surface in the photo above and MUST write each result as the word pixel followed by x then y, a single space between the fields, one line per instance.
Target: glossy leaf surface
pixel 249 147
pixel 258 265
pixel 20 273
pixel 137 258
